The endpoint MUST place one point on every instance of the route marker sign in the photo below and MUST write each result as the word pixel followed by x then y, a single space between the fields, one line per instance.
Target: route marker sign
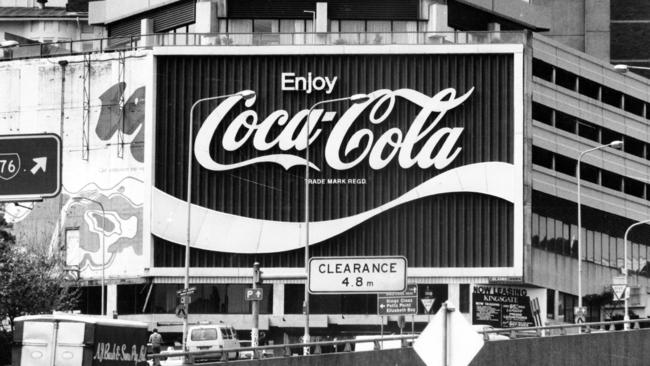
pixel 400 303
pixel 340 275
pixel 30 167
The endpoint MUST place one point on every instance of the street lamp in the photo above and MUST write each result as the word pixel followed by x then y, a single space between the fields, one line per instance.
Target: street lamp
pixel 246 95
pixel 313 24
pixel 356 99
pixel 101 206
pixel 616 145
pixel 622 68
pixel 626 317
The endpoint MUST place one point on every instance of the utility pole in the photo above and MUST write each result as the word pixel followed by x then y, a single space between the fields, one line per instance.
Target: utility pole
pixel 255 332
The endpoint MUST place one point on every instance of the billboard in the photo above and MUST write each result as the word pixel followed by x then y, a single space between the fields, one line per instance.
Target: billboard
pixel 501 307
pixel 98 110
pixel 429 167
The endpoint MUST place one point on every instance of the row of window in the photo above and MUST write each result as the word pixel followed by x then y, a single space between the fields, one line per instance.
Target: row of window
pixel 560 237
pixel 590 89
pixel 590 173
pixel 588 130
pixel 229 299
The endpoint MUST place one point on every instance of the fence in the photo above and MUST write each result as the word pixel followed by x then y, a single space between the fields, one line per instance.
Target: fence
pixel 101 45
pixel 555 332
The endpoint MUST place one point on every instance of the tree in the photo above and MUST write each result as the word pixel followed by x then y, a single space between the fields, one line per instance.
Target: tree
pixel 31 282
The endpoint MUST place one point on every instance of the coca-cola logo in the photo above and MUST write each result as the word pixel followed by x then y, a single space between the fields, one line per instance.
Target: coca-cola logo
pixel 424 143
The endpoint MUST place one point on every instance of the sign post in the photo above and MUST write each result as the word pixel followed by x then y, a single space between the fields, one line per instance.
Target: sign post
pixel 30 167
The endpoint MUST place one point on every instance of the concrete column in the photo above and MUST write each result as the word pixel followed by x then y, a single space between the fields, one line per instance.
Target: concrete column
pixel 278 299
pixel 321 17
pixel 146 27
pixel 453 294
pixel 437 25
pixel 206 17
pixel 494 27
pixel 111 300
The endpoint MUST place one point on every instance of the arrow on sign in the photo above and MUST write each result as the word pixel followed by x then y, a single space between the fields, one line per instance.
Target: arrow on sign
pixel 41 163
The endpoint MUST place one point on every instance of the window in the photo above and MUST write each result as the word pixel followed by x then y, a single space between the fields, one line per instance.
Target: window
pixel 269 30
pixel 464 298
pixel 565 122
pixel 589 88
pixel 542 157
pixel 550 303
pixel 588 131
pixel 612 97
pixel 542 70
pixel 634 187
pixel 611 180
pixel 542 114
pixel 565 165
pixel 204 334
pixel 589 173
pixel 566 79
pixel 634 105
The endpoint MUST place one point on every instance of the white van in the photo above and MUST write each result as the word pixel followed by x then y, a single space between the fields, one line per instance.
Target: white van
pixel 212 337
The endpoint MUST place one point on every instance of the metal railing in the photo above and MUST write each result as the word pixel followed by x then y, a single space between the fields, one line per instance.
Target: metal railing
pixel 129 43
pixel 378 343
pixel 287 350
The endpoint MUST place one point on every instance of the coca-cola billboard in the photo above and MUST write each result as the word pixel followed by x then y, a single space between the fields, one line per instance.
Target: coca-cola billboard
pixel 429 166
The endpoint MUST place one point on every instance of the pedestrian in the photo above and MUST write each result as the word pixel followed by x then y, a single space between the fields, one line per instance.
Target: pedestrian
pixel 156 341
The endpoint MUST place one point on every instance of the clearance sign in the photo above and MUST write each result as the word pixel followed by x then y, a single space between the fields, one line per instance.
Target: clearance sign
pixel 337 275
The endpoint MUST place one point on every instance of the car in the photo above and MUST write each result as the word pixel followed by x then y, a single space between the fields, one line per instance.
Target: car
pixel 212 337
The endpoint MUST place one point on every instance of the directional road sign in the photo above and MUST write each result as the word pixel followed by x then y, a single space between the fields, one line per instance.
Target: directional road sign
pixel 185 291
pixel 254 294
pixel 340 275
pixel 30 167
pixel 400 303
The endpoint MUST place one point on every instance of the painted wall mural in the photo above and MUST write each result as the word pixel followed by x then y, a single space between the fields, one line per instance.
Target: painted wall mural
pixel 98 217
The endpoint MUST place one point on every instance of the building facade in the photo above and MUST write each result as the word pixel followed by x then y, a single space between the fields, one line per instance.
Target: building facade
pixel 462 160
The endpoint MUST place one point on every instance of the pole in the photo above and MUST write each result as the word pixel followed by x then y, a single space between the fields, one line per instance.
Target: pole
pixel 626 317
pixel 613 144
pixel 255 332
pixel 246 95
pixel 445 335
pixel 358 98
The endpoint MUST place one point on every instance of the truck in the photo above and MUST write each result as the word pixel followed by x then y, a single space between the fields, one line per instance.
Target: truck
pixel 78 340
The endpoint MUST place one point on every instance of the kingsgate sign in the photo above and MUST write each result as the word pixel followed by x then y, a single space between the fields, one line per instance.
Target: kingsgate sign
pixel 438 144
pixel 435 150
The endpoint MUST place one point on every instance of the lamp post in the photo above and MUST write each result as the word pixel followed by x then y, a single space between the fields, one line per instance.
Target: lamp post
pixel 313 23
pixel 357 98
pixel 246 94
pixel 626 317
pixel 616 145
pixel 101 206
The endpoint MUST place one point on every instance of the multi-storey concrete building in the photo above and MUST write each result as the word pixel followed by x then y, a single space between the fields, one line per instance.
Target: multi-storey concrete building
pixel 462 160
